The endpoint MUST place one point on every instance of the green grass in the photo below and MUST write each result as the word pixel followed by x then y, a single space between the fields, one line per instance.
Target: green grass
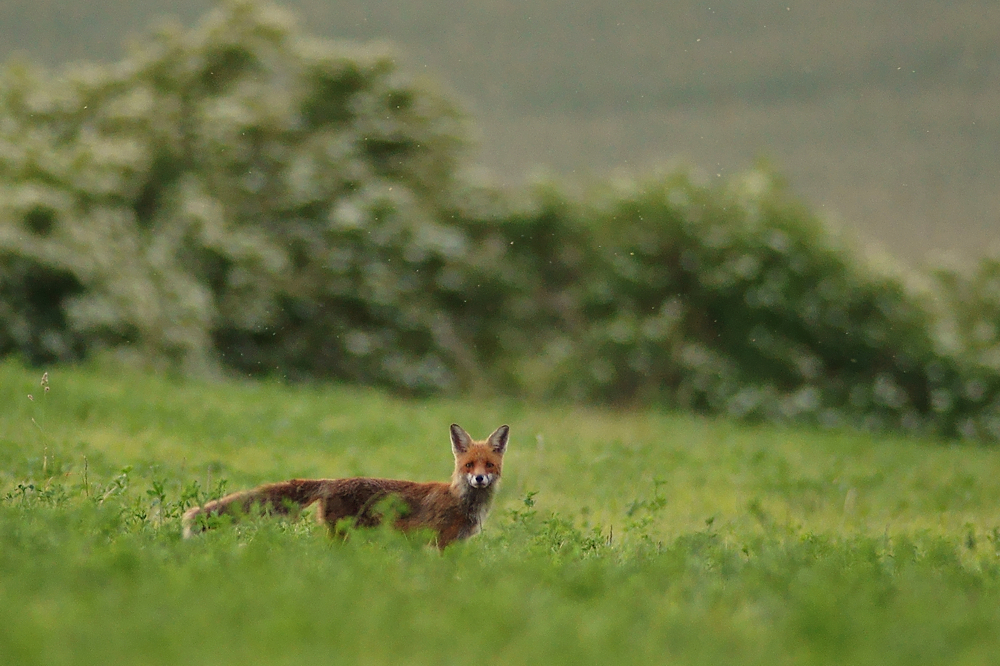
pixel 618 537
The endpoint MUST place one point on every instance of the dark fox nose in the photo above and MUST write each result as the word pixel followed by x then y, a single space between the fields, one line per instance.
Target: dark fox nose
pixel 480 479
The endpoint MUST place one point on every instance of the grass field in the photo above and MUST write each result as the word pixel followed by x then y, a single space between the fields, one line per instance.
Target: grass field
pixel 618 537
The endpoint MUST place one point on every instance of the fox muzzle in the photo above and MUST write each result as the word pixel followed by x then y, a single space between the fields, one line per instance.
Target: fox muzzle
pixel 479 480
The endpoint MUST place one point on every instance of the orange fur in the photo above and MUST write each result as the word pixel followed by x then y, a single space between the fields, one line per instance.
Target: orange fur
pixel 452 511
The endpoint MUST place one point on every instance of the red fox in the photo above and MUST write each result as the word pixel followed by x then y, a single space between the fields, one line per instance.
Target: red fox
pixel 452 511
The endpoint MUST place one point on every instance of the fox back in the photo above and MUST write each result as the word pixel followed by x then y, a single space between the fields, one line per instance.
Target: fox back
pixel 451 510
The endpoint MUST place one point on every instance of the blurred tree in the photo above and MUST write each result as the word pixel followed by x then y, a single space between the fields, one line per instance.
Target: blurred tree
pixel 239 185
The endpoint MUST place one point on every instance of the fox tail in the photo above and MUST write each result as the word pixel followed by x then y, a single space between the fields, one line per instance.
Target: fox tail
pixel 273 498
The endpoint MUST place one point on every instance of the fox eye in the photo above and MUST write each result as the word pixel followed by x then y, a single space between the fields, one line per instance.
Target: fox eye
pixel 468 465
pixel 489 465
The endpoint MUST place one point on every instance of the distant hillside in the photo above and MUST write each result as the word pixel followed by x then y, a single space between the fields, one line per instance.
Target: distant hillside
pixel 881 113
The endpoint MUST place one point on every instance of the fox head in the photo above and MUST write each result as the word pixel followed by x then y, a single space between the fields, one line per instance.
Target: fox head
pixel 477 464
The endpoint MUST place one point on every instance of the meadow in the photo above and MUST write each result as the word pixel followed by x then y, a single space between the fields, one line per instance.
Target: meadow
pixel 625 537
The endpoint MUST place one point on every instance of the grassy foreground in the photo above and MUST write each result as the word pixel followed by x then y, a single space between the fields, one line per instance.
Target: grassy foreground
pixel 617 538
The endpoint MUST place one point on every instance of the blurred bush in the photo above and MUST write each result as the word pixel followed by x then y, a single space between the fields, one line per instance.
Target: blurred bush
pixel 735 300
pixel 242 196
pixel 238 193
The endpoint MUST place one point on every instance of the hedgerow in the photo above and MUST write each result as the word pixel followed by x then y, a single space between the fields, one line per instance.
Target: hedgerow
pixel 242 196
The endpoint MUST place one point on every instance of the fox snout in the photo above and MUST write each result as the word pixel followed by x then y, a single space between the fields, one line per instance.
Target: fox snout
pixel 479 480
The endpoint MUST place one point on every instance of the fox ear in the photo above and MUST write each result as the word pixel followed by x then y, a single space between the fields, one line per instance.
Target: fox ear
pixel 460 440
pixel 498 440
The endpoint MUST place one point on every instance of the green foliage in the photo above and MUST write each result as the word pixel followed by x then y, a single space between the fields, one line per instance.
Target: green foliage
pixel 223 184
pixel 243 196
pixel 736 302
pixel 616 538
pixel 967 331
